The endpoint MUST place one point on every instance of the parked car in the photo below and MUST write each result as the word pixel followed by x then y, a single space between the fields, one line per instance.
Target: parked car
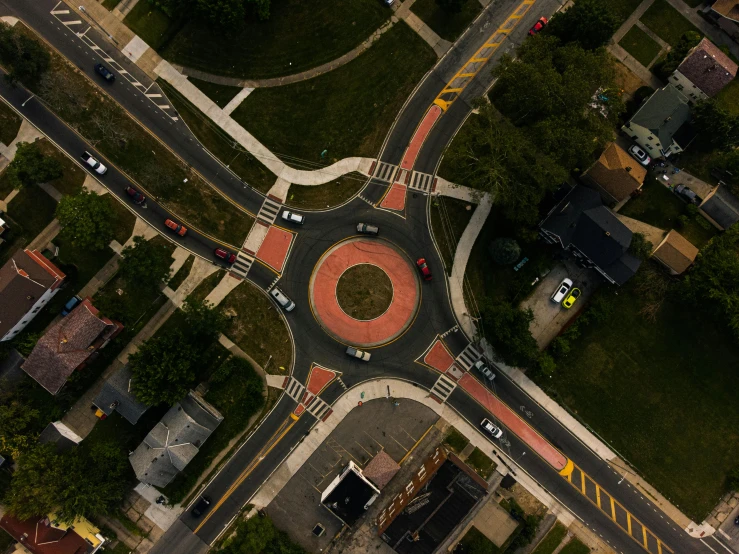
pixel 135 195
pixel 639 155
pixel 687 194
pixel 359 354
pixel 482 367
pixel 570 300
pixel 202 505
pixel 287 304
pixel 71 305
pixel 93 164
pixel 423 267
pixel 105 72
pixel 225 255
pixel 292 217
pixel 388 3
pixel 176 227
pixel 491 429
pixel 538 26
pixel 367 229
pixel 562 289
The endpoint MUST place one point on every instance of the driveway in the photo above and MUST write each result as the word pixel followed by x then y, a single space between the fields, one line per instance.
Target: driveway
pixel 550 318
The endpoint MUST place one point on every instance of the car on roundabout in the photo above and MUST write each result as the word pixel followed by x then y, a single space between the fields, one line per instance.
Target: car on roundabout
pixel 423 267
pixel 292 217
pixel 367 229
pixel 359 354
pixel 282 299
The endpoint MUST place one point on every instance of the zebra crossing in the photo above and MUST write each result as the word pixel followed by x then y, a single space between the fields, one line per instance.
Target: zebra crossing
pixel 443 388
pixel 421 181
pixel 468 356
pixel 242 265
pixel 269 210
pixel 295 390
pixel 385 172
pixel 70 19
pixel 317 407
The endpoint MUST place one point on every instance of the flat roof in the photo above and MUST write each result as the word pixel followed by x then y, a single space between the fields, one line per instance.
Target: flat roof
pixel 349 494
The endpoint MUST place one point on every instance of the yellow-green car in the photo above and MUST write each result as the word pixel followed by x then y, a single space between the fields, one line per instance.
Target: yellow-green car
pixel 570 300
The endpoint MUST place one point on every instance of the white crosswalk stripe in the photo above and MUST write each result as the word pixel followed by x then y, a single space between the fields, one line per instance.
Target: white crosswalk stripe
pixel 317 407
pixel 295 390
pixel 242 265
pixel 443 387
pixel 468 356
pixel 385 172
pixel 269 210
pixel 421 181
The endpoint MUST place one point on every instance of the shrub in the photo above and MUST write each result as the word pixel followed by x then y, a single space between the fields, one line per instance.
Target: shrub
pixel 505 251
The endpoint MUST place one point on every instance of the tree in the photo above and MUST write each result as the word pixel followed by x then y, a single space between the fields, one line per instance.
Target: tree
pixel 204 322
pixel 451 6
pixel 674 57
pixel 640 246
pixel 507 329
pixel 732 480
pixel 146 263
pixel 25 57
pixel 35 486
pixel 30 166
pixel 163 368
pixel 591 23
pixel 86 219
pixel 716 127
pixel 18 427
pixel 505 251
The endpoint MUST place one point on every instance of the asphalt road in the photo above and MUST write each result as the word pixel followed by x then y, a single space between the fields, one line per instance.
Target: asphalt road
pixel 253 463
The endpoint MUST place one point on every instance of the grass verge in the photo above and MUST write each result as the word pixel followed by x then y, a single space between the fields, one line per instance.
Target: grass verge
pixel 474 542
pixel 575 546
pixel 29 212
pixel 329 195
pixel 220 94
pixel 624 8
pixel 449 218
pixel 257 328
pixel 10 123
pixel 181 274
pixel 151 24
pixel 640 45
pixel 347 111
pixel 110 4
pixel 447 25
pixel 299 35
pixel 667 23
pixel 455 440
pixel 552 540
pixel 481 463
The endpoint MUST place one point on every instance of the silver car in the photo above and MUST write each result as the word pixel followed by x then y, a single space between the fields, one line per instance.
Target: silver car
pixel 287 304
pixel 367 229
pixel 292 217
pixel 359 354
pixel 482 367
pixel 490 429
pixel 562 290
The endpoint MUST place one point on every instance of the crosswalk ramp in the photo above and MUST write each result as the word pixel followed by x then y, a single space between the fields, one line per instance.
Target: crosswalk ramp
pixel 421 181
pixel 269 210
pixel 317 407
pixel 295 390
pixel 443 388
pixel 468 356
pixel 385 172
pixel 242 265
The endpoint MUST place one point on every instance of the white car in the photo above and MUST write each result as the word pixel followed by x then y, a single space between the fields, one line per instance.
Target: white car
pixel 93 164
pixel 562 290
pixel 484 369
pixel 490 429
pixel 640 155
pixel 292 217
pixel 287 304
pixel 359 354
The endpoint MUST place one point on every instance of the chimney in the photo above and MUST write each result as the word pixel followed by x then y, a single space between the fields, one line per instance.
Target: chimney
pixel 668 118
pixel 628 169
pixel 608 233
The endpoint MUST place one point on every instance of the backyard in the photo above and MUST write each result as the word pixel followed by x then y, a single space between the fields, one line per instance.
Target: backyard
pixel 666 22
pixel 347 111
pixel 448 26
pixel 640 45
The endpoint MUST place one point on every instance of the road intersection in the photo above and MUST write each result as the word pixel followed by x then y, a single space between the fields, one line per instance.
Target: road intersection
pixel 396 199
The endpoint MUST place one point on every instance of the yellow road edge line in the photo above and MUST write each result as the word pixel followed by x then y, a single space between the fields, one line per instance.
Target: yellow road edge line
pixel 582 478
pixel 644 532
pixel 628 520
pixel 659 547
pixel 597 495
pixel 613 509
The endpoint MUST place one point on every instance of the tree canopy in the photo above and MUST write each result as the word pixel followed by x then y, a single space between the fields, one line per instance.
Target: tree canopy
pixel 86 219
pixel 505 251
pixel 590 23
pixel 640 246
pixel 145 264
pixel 451 6
pixel 25 58
pixel 18 426
pixel 31 167
pixel 674 57
pixel 716 126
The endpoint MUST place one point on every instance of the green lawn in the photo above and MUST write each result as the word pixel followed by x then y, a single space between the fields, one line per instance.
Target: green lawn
pixel 447 25
pixel 455 440
pixel 728 98
pixel 575 546
pixel 110 4
pixel 347 111
pixel 640 45
pixel 257 328
pixel 207 285
pixel 552 540
pixel 151 24
pixel 449 218
pixel 481 463
pixel 10 122
pixel 325 196
pixel 662 393
pixel 474 542
pixel 220 94
pixel 666 22
pixel 299 35
pixel 658 206
pixel 124 219
pixel 30 211
pixel 181 274
pixel 73 176
pixel 221 145
pixel 624 8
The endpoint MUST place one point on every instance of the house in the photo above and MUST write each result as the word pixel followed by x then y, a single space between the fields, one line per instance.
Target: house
pixel 662 124
pixel 582 225
pixel 27 282
pixel 615 175
pixel 675 252
pixel 174 441
pixel 116 396
pixel 68 345
pixel 725 13
pixel 720 207
pixel 704 72
pixel 43 535
pixel 60 435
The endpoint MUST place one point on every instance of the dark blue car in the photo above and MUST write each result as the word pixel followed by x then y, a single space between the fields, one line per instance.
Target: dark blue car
pixel 71 305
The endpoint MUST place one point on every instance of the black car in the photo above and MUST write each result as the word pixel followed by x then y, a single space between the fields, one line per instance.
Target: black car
pixel 105 72
pixel 202 505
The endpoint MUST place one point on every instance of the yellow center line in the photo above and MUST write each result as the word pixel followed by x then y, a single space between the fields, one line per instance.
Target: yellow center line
pixel 597 494
pixel 659 547
pixel 613 510
pixel 582 478
pixel 644 532
pixel 628 522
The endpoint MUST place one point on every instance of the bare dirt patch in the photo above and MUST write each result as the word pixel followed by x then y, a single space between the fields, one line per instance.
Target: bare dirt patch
pixel 364 292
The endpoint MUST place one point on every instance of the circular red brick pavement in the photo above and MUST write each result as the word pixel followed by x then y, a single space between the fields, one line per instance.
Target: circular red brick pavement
pixel 406 292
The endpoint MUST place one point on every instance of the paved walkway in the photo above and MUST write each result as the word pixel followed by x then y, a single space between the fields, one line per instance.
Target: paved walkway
pixel 627 59
pixel 716 35
pixel 26 133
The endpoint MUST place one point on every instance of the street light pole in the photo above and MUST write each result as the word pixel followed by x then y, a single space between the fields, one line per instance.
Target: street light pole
pixel 27 100
pixel 84 11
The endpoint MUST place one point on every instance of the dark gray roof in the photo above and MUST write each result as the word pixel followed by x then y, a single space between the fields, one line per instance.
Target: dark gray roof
pixel 623 268
pixel 116 396
pixel 174 441
pixel 663 114
pixel 722 207
pixel 562 220
pixel 59 434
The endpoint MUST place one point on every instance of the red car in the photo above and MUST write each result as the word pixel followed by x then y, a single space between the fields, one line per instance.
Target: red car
pixel 176 227
pixel 135 195
pixel 538 26
pixel 424 269
pixel 225 255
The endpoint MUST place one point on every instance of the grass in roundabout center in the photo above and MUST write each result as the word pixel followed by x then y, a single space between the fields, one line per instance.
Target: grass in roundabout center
pixel 364 292
pixel 447 25
pixel 347 111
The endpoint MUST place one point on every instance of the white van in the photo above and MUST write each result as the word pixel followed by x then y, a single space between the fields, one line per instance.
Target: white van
pixel 287 304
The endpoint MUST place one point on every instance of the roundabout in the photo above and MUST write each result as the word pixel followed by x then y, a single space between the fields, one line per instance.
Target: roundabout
pixel 364 292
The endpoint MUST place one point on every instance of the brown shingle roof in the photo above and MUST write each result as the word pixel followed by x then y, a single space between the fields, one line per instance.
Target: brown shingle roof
pixel 708 68
pixel 381 469
pixel 727 8
pixel 66 346
pixel 617 173
pixel 676 252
